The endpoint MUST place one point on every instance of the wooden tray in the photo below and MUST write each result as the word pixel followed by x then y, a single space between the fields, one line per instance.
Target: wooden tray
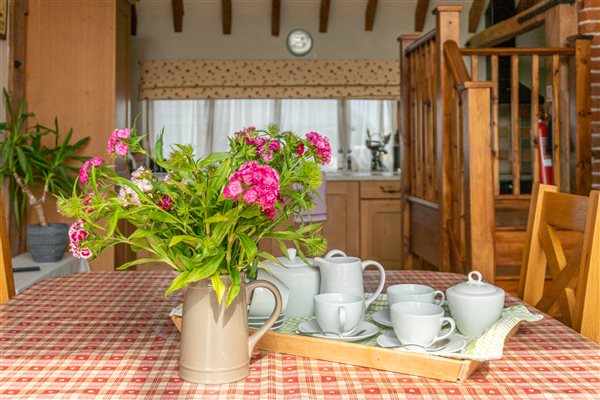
pixel 425 365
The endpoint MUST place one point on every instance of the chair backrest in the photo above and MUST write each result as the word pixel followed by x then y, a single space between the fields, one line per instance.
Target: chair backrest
pixel 7 280
pixel 575 281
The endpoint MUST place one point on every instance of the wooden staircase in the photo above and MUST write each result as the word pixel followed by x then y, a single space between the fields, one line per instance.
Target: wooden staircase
pixel 470 153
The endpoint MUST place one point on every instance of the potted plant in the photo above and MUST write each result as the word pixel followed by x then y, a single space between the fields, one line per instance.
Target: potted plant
pixel 37 162
pixel 205 219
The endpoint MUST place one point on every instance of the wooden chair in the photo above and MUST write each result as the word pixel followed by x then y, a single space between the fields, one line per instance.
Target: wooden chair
pixel 7 280
pixel 575 282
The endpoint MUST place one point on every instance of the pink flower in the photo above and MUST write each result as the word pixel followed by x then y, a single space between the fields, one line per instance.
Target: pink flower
pixel 122 133
pixel 96 161
pixel 85 253
pixel 275 145
pixel 268 156
pixel 116 142
pixel 166 203
pixel 250 196
pixel 300 149
pixel 83 175
pixel 321 147
pixel 259 185
pixel 121 148
pixel 233 189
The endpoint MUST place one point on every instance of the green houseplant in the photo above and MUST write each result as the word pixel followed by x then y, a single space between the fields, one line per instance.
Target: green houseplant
pixel 37 162
pixel 205 220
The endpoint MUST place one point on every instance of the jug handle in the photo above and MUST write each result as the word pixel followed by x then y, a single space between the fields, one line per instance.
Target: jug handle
pixel 372 298
pixel 335 252
pixel 255 337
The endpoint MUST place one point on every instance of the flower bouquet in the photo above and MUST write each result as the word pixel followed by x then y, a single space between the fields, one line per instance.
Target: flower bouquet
pixel 206 217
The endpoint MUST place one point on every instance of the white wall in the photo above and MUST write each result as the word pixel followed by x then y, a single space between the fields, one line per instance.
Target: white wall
pixel 251 38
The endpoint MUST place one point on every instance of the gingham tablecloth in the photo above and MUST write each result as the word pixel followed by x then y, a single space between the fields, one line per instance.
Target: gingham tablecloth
pixel 108 335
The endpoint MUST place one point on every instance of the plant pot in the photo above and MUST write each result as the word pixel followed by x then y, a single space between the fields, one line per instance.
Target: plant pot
pixel 215 346
pixel 47 244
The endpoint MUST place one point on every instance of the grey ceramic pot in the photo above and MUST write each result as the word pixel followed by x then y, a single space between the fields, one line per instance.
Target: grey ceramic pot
pixel 47 244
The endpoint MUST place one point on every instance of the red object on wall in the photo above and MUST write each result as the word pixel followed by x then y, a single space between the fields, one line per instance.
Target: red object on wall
pixel 545 154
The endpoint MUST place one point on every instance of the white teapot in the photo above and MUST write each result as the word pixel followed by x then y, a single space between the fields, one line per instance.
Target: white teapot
pixel 475 305
pixel 302 280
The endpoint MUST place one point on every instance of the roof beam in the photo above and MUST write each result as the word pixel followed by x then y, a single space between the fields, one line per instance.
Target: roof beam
pixel 324 15
pixel 522 22
pixel 275 17
pixel 133 21
pixel 524 5
pixel 370 15
pixel 421 15
pixel 475 14
pixel 177 15
pixel 226 14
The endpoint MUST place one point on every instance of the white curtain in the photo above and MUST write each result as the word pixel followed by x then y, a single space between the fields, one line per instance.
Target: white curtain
pixel 206 124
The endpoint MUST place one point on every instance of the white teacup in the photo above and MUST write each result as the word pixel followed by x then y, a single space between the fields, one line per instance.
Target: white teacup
pixel 414 292
pixel 419 323
pixel 339 312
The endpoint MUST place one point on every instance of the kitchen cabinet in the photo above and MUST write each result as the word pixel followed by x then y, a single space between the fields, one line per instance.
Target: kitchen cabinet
pixel 342 228
pixel 380 232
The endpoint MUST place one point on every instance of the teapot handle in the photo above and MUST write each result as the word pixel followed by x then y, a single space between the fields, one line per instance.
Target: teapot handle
pixel 335 252
pixel 255 337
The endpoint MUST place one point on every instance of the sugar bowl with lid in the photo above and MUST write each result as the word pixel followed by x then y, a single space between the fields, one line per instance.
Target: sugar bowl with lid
pixel 475 305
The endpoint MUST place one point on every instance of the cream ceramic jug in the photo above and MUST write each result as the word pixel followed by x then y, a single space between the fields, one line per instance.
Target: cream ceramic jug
pixel 343 274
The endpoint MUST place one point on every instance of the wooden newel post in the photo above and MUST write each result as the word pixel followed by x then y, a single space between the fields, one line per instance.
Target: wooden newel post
pixel 447 28
pixel 479 189
pixel 409 261
pixel 581 112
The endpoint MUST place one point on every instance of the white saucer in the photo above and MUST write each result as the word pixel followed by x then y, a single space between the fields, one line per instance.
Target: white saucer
pixel 382 317
pixel 389 339
pixel 313 325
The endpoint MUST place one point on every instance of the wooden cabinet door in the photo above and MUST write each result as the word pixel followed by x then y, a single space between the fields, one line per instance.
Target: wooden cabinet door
pixel 342 228
pixel 380 232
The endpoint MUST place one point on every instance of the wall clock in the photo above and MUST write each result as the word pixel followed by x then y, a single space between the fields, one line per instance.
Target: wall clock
pixel 299 42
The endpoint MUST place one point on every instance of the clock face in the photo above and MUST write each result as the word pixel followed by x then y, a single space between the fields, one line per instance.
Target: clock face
pixel 299 42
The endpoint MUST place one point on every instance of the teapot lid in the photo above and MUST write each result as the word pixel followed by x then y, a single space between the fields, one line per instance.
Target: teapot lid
pixel 292 261
pixel 475 286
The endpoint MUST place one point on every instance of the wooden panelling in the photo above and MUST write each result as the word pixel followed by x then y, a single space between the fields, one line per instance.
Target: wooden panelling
pixel 425 231
pixel 74 66
pixel 380 190
pixel 380 222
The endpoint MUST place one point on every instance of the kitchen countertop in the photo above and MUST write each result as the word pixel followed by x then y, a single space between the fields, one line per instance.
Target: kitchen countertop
pixel 363 176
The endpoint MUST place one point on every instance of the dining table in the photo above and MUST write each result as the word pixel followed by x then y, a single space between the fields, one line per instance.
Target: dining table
pixel 108 335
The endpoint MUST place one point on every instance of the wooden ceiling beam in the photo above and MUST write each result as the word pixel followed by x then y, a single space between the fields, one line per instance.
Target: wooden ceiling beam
pixel 475 14
pixel 133 22
pixel 370 15
pixel 324 15
pixel 421 15
pixel 227 15
pixel 177 15
pixel 275 17
pixel 522 22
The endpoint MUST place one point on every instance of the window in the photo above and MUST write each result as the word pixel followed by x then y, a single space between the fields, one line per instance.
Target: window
pixel 206 124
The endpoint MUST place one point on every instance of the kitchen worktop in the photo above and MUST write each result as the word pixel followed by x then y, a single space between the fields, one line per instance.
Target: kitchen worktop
pixel 363 176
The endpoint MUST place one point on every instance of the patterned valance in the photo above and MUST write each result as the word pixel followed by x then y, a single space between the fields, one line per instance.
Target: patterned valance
pixel 263 79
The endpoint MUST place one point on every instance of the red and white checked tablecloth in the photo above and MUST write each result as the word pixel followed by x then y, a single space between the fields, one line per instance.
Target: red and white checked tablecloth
pixel 108 335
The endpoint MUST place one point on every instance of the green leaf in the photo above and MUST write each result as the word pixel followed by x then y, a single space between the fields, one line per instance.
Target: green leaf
pixel 191 240
pixel 158 147
pixel 136 262
pixel 234 289
pixel 180 281
pixel 218 285
pixel 248 245
pixel 214 158
pixel 216 218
